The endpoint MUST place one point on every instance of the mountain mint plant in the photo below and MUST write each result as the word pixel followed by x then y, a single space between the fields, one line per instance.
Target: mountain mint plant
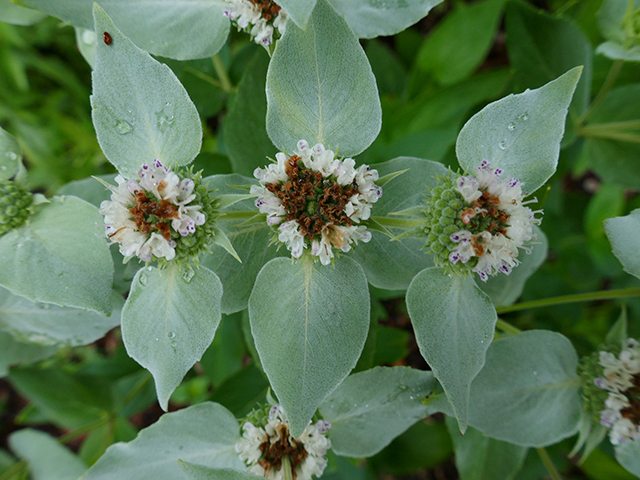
pixel 316 200
pixel 218 315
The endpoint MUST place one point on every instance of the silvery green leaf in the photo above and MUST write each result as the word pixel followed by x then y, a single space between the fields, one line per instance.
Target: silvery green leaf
pixel 10 154
pixel 200 472
pixel 169 320
pixel 17 15
pixel 89 189
pixel 628 454
pixel 13 352
pixel 616 51
pixel 203 434
pixel 86 41
pixel 454 323
pixel 49 325
pixel 611 15
pixel 392 265
pixel 618 335
pixel 483 458
pixel 250 241
pixel 373 18
pixel 182 30
pixel 299 10
pixel 309 322
pixel 58 256
pixel 320 87
pixel 46 457
pixel 528 391
pixel 506 289
pixel 624 235
pixel 141 111
pixel 520 133
pixel 371 408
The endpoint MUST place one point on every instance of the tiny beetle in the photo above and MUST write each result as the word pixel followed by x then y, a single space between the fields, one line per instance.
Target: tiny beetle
pixel 106 36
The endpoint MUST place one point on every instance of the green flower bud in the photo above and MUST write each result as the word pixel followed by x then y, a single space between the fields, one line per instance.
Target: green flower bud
pixel 15 206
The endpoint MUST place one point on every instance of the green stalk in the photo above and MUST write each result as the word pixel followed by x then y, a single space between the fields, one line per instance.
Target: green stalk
pixel 593 132
pixel 507 327
pixel 286 469
pixel 399 222
pixel 227 86
pixel 551 468
pixel 67 437
pixel 614 71
pixel 580 297
pixel 16 469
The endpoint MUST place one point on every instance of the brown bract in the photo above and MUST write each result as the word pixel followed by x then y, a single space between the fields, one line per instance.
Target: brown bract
pixel 268 9
pixel 485 206
pixel 632 412
pixel 273 453
pixel 163 210
pixel 317 204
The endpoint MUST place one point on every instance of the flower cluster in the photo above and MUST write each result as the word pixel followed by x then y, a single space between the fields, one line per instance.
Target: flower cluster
pixel 316 199
pixel 268 447
pixel 159 215
pixel 15 205
pixel 621 378
pixel 478 222
pixel 259 17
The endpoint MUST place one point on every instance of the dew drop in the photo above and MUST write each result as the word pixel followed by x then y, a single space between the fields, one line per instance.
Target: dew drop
pixel 89 37
pixel 511 126
pixel 524 117
pixel 149 269
pixel 44 306
pixel 143 278
pixel 503 145
pixel 171 334
pixel 11 155
pixel 165 121
pixel 535 373
pixel 174 344
pixel 123 127
pixel 188 275
pixel 3 167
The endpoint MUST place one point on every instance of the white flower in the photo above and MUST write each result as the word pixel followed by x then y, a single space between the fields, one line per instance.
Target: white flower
pixel 142 213
pixel 260 446
pixel 622 404
pixel 509 223
pixel 317 200
pixel 259 17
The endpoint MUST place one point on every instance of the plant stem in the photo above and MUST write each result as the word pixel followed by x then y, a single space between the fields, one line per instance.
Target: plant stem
pixel 399 222
pixel 614 71
pixel 606 133
pixel 286 468
pixel 225 82
pixel 16 469
pixel 507 327
pixel 203 76
pixel 580 297
pixel 544 456
pixel 67 437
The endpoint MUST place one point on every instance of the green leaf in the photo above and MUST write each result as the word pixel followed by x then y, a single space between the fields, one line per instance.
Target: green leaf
pixel 204 434
pixel 373 18
pixel 528 391
pixel 618 335
pixel 199 472
pixel 309 323
pixel 16 15
pixel 169 320
pixel 607 202
pixel 86 41
pixel 10 151
pixel 73 400
pixel 506 289
pixel 542 47
pixel 369 409
pixel 88 189
pixel 520 133
pixel 483 458
pixel 614 161
pixel 628 454
pixel 615 51
pixel 13 352
pixel 49 325
pixel 299 10
pixel 141 111
pixel 57 257
pixel 611 16
pixel 246 114
pixel 250 241
pixel 392 265
pixel 320 87
pixel 459 44
pixel 624 235
pixel 47 459
pixel 181 30
pixel 241 392
pixel 454 323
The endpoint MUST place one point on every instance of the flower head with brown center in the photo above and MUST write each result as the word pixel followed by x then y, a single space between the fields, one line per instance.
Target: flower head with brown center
pixel 261 18
pixel 317 200
pixel 268 448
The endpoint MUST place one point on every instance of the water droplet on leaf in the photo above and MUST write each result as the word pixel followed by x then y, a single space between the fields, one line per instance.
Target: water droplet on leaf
pixel 89 37
pixel 188 275
pixel 3 167
pixel 511 126
pixel 524 117
pixel 503 145
pixel 143 278
pixel 123 127
pixel 11 155
pixel 171 334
